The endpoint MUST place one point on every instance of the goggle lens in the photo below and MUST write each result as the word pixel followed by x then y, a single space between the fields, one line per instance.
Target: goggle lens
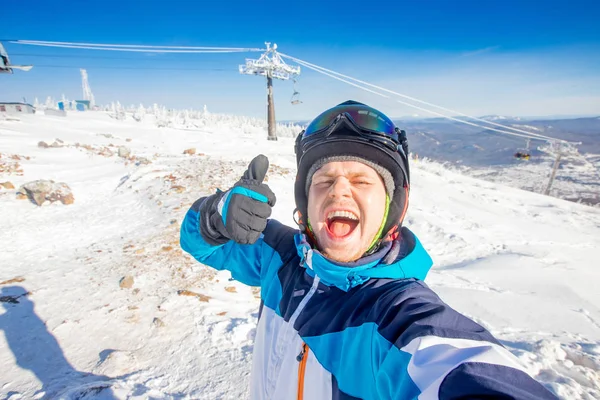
pixel 364 117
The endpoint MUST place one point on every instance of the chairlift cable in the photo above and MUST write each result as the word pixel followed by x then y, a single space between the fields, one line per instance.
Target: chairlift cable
pixel 527 135
pixel 134 68
pixel 103 46
pixel 322 70
pixel 137 50
pixel 531 134
pixel 420 101
pixel 545 138
pixel 94 57
pixel 343 80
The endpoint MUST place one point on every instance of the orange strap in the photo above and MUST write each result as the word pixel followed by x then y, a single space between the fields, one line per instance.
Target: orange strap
pixel 301 371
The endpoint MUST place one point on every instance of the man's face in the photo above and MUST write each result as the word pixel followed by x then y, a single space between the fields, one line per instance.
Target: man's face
pixel 346 205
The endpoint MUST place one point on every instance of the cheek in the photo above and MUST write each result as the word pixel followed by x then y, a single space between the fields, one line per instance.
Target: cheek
pixel 373 205
pixel 313 207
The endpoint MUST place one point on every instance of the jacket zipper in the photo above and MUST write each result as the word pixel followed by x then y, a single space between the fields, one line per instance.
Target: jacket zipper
pixel 301 358
pixel 289 326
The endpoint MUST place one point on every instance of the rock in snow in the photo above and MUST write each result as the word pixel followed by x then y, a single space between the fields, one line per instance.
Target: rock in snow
pixel 41 191
pixel 126 282
pixel 124 151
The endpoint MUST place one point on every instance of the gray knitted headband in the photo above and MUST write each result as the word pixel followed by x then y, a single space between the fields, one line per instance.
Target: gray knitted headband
pixel 388 181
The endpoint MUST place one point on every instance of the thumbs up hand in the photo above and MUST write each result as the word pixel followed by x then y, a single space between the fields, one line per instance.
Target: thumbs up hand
pixel 239 214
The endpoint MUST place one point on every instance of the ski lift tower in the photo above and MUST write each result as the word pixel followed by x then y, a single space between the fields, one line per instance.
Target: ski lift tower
pixel 271 65
pixel 558 148
pixel 87 91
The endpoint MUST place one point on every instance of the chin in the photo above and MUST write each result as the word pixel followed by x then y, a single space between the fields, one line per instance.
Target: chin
pixel 341 255
pixel 341 259
pixel 340 250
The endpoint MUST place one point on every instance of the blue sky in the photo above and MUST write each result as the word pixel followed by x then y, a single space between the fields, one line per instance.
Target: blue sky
pixel 527 57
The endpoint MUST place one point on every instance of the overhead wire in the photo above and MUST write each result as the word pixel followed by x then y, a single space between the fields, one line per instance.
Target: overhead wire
pixel 526 134
pixel 333 74
pixel 69 56
pixel 136 68
pixel 136 46
pixel 139 50
pixel 96 57
pixel 418 100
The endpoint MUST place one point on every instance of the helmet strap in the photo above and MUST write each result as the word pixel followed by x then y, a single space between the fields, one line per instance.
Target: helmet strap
pixel 378 236
pixel 310 234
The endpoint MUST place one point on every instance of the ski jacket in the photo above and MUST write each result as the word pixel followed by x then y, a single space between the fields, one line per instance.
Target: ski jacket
pixel 369 329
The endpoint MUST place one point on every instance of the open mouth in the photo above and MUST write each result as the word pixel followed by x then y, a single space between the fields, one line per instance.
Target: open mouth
pixel 341 224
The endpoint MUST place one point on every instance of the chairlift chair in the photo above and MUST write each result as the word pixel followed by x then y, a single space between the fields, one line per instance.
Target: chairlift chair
pixel 522 156
pixel 295 100
pixel 524 153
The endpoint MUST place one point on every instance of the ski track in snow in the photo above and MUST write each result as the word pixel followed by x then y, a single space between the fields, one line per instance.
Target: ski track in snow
pixel 518 263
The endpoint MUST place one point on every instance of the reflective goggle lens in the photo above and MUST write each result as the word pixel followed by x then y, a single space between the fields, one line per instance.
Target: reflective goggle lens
pixel 363 116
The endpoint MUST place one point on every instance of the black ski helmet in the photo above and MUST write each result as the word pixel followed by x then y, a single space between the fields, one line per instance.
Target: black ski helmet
pixel 342 136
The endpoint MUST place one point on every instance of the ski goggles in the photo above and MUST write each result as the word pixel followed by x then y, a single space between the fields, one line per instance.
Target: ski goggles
pixel 368 122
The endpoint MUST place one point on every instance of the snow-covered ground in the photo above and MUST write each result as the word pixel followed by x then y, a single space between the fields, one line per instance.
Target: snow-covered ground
pixel 521 264
pixel 576 180
pixel 491 156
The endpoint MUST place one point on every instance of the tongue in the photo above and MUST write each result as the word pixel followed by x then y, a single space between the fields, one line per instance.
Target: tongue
pixel 341 227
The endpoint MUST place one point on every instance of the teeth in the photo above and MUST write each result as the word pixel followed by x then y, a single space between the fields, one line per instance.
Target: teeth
pixel 342 214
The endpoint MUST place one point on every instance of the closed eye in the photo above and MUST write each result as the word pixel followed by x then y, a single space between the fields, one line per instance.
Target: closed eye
pixel 362 182
pixel 327 182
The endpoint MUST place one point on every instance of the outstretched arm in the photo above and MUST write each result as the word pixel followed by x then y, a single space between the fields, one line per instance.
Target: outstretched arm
pixel 225 230
pixel 435 352
pixel 396 339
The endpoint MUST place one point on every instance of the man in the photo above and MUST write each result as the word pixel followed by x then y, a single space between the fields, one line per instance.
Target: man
pixel 344 311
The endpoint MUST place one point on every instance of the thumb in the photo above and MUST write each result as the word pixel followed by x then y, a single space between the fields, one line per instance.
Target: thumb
pixel 257 170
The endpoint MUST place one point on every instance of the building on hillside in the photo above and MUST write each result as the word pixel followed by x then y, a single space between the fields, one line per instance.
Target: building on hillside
pixel 79 105
pixel 16 108
pixel 82 105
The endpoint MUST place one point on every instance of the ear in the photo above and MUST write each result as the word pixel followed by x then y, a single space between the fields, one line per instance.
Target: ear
pixel 305 228
pixel 392 234
pixel 297 215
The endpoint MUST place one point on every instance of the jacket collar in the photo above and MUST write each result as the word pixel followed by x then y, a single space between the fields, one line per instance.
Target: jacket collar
pixel 402 259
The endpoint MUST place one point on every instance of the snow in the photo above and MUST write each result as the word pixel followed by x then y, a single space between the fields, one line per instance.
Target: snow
pixel 521 264
pixel 527 127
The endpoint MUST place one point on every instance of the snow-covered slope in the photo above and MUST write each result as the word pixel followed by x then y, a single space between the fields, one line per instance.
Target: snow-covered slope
pixel 521 264
pixel 490 156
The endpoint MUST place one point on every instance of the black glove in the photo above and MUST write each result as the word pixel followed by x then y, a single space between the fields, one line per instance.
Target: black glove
pixel 239 214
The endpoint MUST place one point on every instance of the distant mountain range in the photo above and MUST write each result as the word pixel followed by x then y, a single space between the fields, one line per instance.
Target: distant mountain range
pixel 490 155
pixel 445 140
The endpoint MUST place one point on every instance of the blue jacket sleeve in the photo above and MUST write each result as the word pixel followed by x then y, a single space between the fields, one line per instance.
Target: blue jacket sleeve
pixel 442 368
pixel 245 262
pixel 396 339
pixel 435 352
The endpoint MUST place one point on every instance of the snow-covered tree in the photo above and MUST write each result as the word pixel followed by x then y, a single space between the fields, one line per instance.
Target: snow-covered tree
pixel 50 103
pixel 139 114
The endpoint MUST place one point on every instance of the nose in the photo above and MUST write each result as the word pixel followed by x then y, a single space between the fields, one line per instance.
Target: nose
pixel 340 188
